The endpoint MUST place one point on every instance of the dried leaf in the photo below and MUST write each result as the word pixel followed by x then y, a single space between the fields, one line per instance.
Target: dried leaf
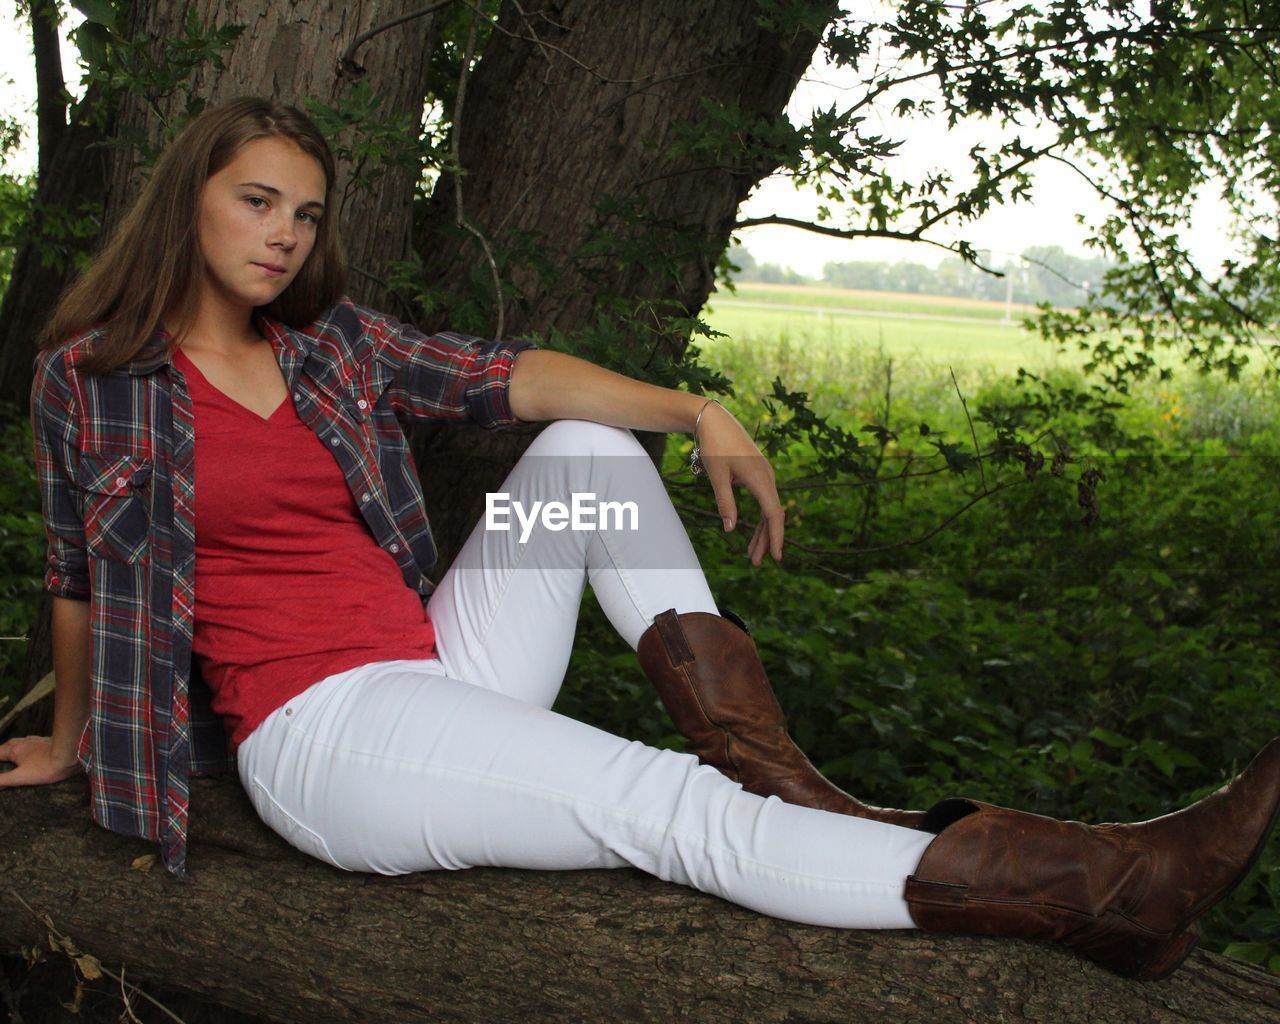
pixel 145 862
pixel 74 1007
pixel 90 967
pixel 38 692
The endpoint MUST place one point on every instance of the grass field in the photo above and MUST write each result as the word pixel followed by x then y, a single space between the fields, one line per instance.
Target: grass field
pixel 944 331
pixel 893 302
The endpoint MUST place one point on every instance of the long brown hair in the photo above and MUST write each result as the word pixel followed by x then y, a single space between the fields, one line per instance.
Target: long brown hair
pixel 151 264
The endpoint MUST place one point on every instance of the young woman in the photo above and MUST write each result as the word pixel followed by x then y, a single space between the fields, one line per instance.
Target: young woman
pixel 233 517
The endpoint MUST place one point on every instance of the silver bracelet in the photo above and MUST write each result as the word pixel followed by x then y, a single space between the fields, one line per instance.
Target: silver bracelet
pixel 695 456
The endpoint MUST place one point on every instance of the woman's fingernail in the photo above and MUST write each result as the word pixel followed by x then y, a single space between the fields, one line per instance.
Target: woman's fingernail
pixel 728 523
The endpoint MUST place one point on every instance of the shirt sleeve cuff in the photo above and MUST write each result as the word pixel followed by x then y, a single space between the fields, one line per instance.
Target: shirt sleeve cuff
pixel 488 392
pixel 62 584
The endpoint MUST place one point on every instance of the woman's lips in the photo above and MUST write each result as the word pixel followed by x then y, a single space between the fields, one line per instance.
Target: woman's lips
pixel 271 269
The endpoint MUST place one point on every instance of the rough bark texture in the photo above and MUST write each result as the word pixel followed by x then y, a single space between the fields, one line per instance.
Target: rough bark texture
pixel 260 928
pixel 51 103
pixel 292 52
pixel 589 112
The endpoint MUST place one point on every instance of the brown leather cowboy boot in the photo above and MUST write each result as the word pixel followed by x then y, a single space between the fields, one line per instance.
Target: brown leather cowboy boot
pixel 709 676
pixel 1124 896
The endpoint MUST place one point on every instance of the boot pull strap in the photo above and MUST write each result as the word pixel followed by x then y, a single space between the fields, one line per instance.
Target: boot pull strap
pixel 673 639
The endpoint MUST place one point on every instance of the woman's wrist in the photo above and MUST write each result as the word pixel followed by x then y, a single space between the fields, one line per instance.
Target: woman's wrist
pixel 62 756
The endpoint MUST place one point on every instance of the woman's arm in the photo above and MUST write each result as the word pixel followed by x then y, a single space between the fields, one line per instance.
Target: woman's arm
pixel 552 385
pixel 42 759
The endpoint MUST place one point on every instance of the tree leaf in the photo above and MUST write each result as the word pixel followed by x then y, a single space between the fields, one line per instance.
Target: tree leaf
pixel 100 12
pixel 90 967
pixel 144 863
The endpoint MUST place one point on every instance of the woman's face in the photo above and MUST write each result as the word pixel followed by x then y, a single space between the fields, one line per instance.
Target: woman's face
pixel 257 223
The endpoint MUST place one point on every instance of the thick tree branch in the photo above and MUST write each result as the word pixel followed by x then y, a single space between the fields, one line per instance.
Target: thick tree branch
pixel 261 928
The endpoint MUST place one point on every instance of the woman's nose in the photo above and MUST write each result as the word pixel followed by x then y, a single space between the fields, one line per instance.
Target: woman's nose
pixel 283 233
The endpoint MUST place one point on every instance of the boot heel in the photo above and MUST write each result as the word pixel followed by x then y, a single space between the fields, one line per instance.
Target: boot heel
pixel 1169 959
pixel 1133 953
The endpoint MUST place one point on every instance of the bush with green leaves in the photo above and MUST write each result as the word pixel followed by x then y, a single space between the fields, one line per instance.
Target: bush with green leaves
pixel 21 553
pixel 1111 670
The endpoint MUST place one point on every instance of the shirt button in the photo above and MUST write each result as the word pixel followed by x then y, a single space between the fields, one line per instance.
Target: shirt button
pixel 297 396
pixel 394 547
pixel 335 440
pixel 364 498
pixel 121 481
pixel 363 404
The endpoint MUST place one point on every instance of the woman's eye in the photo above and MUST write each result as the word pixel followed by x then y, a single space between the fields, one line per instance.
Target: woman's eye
pixel 308 218
pixel 257 202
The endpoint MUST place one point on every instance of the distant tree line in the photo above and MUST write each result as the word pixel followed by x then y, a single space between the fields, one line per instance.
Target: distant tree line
pixel 1046 273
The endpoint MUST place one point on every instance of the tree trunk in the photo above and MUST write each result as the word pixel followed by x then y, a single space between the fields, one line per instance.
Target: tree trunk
pixel 51 90
pixel 265 930
pixel 293 53
pixel 72 185
pixel 288 51
pixel 592 112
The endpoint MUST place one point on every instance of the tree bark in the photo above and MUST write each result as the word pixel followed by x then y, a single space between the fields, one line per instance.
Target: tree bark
pixel 292 53
pixel 73 183
pixel 592 111
pixel 51 91
pixel 288 51
pixel 262 929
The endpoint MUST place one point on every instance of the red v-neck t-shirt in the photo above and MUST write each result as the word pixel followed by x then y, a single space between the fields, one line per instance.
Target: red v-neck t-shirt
pixel 290 585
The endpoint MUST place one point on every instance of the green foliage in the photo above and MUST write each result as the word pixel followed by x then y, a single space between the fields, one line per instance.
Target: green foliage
pixel 369 138
pixel 1061 601
pixel 1110 671
pixel 117 66
pixel 21 551
pixel 15 201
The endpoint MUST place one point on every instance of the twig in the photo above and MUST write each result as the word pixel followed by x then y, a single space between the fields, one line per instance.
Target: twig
pixel 455 134
pixel 68 944
pixel 822 229
pixel 544 46
pixel 873 490
pixel 37 693
pixel 348 59
pixel 977 450
pixel 912 542
pixel 124 997
pixel 405 307
pixel 747 526
pixel 1054 271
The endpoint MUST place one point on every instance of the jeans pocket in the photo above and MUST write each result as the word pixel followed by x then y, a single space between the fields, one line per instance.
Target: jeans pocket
pixel 287 826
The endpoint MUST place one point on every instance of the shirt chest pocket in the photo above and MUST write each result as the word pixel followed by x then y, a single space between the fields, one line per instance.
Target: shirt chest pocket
pixel 117 505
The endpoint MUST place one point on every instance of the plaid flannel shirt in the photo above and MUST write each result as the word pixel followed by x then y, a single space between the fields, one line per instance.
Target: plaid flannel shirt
pixel 116 459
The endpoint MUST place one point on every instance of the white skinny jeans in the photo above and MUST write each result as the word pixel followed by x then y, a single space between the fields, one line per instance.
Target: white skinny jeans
pixel 458 761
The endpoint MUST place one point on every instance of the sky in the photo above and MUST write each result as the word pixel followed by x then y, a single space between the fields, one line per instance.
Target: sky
pixel 1048 219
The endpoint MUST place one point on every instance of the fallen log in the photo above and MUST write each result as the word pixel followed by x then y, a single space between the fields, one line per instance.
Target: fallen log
pixel 265 930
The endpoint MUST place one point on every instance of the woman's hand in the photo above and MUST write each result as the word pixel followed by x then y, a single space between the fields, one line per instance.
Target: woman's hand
pixel 554 386
pixel 730 457
pixel 36 763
